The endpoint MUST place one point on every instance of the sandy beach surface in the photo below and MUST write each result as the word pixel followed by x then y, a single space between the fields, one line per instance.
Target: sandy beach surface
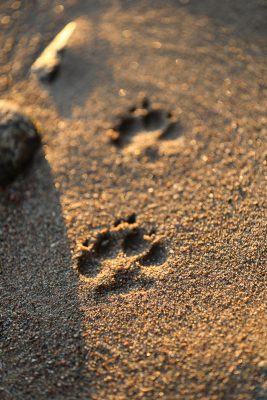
pixel 133 249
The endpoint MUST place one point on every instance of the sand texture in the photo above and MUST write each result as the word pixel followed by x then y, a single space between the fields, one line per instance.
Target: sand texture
pixel 133 248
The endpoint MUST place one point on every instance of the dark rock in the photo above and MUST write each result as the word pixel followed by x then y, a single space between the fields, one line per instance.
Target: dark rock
pixel 19 140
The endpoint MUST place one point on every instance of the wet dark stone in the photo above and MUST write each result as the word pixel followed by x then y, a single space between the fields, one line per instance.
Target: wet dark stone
pixel 19 140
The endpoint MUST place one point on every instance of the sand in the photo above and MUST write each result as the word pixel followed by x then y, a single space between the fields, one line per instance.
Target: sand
pixel 91 308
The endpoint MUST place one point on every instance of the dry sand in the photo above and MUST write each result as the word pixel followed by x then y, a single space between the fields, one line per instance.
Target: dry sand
pixel 114 319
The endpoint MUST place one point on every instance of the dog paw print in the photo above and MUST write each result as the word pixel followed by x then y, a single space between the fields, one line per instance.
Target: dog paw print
pixel 115 262
pixel 143 126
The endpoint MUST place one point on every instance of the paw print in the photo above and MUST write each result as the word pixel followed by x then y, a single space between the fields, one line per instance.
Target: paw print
pixel 116 260
pixel 143 126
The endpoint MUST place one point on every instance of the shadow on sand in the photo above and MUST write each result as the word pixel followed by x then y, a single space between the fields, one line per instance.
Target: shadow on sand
pixel 43 352
pixel 84 69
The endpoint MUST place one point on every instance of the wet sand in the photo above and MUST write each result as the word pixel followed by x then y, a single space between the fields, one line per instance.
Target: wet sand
pixel 136 268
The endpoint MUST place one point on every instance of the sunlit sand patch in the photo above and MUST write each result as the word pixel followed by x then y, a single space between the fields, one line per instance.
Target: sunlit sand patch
pixel 141 141
pixel 172 146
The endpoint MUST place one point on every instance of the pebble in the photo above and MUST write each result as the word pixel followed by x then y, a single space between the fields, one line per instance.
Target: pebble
pixel 19 140
pixel 48 63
